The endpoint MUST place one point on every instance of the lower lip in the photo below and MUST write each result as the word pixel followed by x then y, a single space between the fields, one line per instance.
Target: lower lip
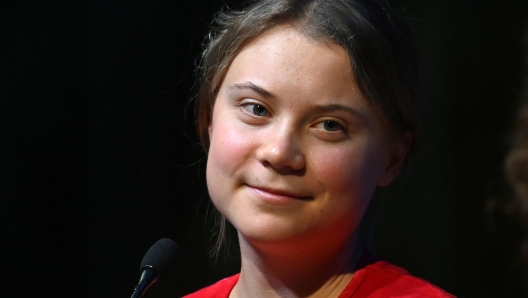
pixel 276 199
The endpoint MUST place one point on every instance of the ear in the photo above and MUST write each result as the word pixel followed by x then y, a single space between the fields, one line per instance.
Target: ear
pixel 397 157
pixel 210 129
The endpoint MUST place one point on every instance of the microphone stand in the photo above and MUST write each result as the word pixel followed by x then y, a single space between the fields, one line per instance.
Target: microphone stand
pixel 148 277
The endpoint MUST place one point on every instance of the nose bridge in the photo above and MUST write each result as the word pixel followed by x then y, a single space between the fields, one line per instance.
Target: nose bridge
pixel 283 148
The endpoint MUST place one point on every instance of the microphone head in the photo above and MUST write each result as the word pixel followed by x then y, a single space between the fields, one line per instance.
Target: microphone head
pixel 161 256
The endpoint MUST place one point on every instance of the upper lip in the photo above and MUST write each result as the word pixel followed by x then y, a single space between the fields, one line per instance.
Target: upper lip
pixel 282 192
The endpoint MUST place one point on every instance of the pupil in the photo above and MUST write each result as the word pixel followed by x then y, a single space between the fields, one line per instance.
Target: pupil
pixel 259 110
pixel 331 125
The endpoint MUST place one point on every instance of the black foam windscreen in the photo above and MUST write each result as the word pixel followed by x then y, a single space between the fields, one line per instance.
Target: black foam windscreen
pixel 161 256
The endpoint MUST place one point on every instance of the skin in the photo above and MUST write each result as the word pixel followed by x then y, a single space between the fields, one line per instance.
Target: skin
pixel 295 156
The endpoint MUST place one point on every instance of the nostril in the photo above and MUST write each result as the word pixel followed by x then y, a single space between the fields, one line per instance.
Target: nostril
pixel 284 163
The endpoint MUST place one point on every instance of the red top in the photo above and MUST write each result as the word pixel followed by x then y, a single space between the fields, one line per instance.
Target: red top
pixel 378 280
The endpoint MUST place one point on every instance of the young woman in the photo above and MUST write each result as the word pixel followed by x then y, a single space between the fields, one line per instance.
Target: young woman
pixel 305 108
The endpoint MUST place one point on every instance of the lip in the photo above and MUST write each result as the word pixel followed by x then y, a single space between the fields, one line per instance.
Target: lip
pixel 277 196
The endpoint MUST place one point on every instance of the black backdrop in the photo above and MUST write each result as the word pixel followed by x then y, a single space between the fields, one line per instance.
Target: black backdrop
pixel 99 159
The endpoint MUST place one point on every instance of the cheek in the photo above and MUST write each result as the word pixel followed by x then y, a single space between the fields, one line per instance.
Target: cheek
pixel 227 152
pixel 348 173
pixel 223 152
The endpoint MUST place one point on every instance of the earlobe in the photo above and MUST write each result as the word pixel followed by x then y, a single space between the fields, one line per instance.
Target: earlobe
pixel 397 158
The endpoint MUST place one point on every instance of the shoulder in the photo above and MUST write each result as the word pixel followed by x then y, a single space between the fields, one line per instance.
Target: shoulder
pixel 221 289
pixel 382 279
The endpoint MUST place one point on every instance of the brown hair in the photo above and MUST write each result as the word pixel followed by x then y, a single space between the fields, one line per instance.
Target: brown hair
pixel 383 57
pixel 516 164
pixel 508 212
pixel 516 168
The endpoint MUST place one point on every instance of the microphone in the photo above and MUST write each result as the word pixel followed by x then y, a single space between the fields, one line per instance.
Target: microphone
pixel 158 260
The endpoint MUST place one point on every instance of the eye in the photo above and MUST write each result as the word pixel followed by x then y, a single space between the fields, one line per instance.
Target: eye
pixel 330 125
pixel 256 109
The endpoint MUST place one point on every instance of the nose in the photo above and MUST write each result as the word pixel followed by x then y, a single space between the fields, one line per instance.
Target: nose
pixel 282 151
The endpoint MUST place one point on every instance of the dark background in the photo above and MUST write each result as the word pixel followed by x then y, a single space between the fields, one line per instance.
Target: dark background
pixel 99 159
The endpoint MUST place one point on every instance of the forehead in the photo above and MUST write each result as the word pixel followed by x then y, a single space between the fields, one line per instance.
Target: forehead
pixel 284 59
pixel 290 43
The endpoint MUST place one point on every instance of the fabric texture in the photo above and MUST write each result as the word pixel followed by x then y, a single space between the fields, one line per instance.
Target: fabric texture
pixel 377 280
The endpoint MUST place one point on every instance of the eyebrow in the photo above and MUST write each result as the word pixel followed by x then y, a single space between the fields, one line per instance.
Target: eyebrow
pixel 251 86
pixel 339 107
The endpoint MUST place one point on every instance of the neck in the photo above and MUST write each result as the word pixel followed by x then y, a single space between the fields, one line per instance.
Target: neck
pixel 290 270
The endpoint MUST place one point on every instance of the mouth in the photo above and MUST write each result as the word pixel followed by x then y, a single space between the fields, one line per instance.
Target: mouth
pixel 278 195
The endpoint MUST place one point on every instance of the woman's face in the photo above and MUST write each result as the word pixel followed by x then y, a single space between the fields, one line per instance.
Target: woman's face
pixel 295 151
